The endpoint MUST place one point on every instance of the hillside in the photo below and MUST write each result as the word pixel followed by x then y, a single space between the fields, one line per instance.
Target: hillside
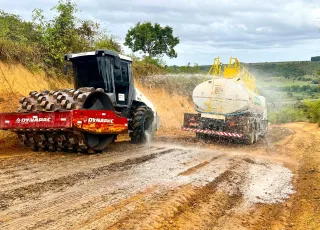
pixel 285 81
pixel 292 69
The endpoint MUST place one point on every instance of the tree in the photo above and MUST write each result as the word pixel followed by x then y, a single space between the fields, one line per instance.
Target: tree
pixel 153 40
pixel 59 35
pixel 66 33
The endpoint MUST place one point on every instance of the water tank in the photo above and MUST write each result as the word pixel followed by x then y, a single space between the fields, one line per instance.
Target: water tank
pixel 227 97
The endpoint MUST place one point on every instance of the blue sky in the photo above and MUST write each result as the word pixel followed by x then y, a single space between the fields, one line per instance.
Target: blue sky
pixel 252 30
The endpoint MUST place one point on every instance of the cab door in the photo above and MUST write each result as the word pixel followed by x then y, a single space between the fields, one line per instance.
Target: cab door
pixel 122 84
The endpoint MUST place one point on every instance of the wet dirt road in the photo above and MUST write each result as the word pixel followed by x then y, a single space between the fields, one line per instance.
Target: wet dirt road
pixel 174 183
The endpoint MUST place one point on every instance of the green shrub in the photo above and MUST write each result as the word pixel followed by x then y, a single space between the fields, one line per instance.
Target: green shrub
pixel 312 110
pixel 26 54
pixel 306 111
pixel 18 41
pixel 14 29
pixel 184 69
pixel 44 42
pixel 287 115
pixel 146 66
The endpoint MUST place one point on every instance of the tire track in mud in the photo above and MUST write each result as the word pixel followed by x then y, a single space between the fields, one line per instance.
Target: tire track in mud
pixel 187 207
pixel 29 157
pixel 200 165
pixel 34 191
pixel 100 221
pixel 67 208
pixel 29 172
pixel 147 182
pixel 191 207
pixel 64 208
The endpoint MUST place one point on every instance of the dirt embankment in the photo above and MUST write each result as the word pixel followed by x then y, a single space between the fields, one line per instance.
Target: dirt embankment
pixel 170 107
pixel 17 81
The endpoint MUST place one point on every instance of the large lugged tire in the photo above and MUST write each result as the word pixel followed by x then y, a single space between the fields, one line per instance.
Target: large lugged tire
pixel 141 125
pixel 65 139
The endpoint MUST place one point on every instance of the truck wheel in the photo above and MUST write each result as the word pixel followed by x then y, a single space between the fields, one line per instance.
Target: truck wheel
pixel 141 125
pixel 249 139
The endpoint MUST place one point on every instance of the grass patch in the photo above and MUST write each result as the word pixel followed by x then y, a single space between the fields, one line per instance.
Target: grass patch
pixel 312 108
pixel 306 111
pixel 287 115
pixel 28 55
pixel 145 67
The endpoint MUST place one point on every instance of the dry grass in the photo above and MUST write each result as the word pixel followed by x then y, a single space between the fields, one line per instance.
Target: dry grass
pixel 170 107
pixel 28 55
pixel 16 80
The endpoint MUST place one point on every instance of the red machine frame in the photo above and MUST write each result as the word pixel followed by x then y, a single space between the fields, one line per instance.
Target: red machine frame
pixel 92 121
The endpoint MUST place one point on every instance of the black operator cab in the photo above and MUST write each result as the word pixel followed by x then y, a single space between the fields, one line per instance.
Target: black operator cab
pixel 104 69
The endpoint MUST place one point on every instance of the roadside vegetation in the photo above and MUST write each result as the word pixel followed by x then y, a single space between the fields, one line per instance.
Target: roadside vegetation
pixel 188 69
pixel 302 111
pixel 287 114
pixel 42 43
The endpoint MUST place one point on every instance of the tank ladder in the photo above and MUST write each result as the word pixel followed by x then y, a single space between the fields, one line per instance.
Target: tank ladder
pixel 216 98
